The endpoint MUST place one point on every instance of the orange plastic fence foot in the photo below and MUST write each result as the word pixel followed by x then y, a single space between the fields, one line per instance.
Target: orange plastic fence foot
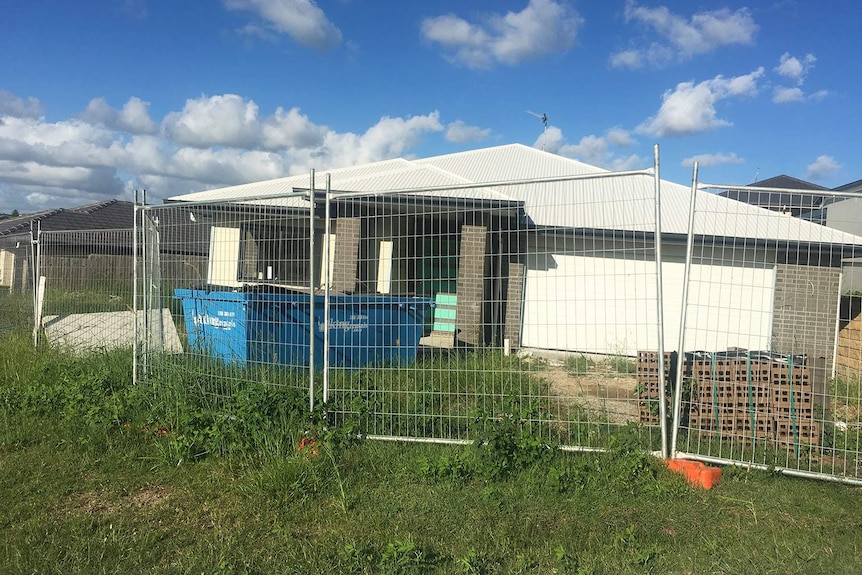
pixel 695 472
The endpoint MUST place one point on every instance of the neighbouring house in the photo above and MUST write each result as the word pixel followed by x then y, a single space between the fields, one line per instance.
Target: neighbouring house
pixel 558 265
pixel 102 229
pixel 86 245
pixel 798 198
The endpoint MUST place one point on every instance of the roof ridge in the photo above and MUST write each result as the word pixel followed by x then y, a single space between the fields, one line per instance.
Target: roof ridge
pixel 90 208
pixel 809 186
pixel 21 222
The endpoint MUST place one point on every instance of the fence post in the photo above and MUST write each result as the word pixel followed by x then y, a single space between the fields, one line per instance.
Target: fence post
pixel 311 292
pixel 662 406
pixel 680 357
pixel 34 242
pixel 135 332
pixel 326 293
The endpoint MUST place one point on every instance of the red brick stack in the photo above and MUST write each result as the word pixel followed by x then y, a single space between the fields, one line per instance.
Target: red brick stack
pixel 722 401
pixel 793 404
pixel 648 383
pixel 764 396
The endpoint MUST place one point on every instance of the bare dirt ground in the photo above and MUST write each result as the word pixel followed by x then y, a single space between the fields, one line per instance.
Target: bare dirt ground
pixel 600 390
pixel 103 502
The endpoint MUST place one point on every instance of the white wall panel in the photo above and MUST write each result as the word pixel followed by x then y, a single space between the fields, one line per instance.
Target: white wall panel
pixel 607 305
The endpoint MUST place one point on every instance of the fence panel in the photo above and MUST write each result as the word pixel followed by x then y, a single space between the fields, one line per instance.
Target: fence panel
pixel 529 302
pixel 16 284
pixel 772 376
pixel 431 313
pixel 223 288
pixel 87 288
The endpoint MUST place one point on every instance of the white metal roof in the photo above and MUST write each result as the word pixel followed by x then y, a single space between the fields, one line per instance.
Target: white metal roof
pixel 619 203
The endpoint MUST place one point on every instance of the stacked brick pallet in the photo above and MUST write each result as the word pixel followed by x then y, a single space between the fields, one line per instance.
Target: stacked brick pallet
pixel 793 406
pixel 739 396
pixel 648 383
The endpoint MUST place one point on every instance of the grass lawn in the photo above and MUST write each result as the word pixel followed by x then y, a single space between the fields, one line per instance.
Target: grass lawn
pixel 110 503
pixel 99 476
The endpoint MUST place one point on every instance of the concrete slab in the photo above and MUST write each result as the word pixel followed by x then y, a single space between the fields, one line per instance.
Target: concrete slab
pixel 82 332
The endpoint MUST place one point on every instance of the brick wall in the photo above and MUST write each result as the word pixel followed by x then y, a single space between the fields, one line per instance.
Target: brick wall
pixel 514 299
pixel 94 270
pixel 804 310
pixel 347 232
pixel 471 284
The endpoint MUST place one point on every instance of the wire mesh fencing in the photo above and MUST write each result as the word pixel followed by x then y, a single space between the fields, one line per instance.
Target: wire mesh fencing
pixel 771 374
pixel 16 283
pixel 441 311
pixel 83 284
pixel 429 313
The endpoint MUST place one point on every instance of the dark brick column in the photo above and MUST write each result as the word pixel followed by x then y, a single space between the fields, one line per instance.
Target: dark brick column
pixel 347 232
pixel 471 284
pixel 514 302
pixel 804 310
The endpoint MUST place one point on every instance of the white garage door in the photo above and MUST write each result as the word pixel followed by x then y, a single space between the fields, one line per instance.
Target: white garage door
pixel 728 306
pixel 590 304
pixel 608 305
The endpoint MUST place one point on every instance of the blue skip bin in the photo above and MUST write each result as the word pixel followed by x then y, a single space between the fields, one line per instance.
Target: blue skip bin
pixel 363 330
pixel 216 322
pixel 273 328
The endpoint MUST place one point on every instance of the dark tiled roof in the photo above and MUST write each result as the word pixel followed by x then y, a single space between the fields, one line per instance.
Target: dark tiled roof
pixel 107 227
pixel 109 215
pixel 780 200
pixel 788 182
pixel 851 187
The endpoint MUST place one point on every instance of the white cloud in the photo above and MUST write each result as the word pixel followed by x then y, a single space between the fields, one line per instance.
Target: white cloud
pixel 818 95
pixel 36 132
pixel 823 167
pixel 681 39
pixel 706 160
pixel 592 149
pixel 794 68
pixel 543 27
pixel 213 141
pixel 632 59
pixel 11 105
pixel 690 108
pixel 134 117
pixel 619 137
pixel 388 138
pixel 226 120
pixel 460 133
pixel 291 130
pixel 783 95
pixel 302 20
pixel 58 180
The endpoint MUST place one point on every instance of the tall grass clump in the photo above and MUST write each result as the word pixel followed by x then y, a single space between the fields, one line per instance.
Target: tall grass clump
pixel 239 416
pixel 578 364
pixel 438 396
pixel 91 394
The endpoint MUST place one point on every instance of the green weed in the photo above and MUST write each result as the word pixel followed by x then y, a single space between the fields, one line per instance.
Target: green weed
pixel 404 556
pixel 477 563
pixel 621 364
pixel 578 364
pixel 505 443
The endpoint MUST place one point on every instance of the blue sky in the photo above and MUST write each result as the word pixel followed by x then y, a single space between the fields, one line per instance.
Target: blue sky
pixel 98 98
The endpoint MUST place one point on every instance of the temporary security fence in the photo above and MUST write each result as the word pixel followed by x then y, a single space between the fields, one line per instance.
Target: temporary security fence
pixel 770 298
pixel 427 310
pixel 431 310
pixel 83 285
